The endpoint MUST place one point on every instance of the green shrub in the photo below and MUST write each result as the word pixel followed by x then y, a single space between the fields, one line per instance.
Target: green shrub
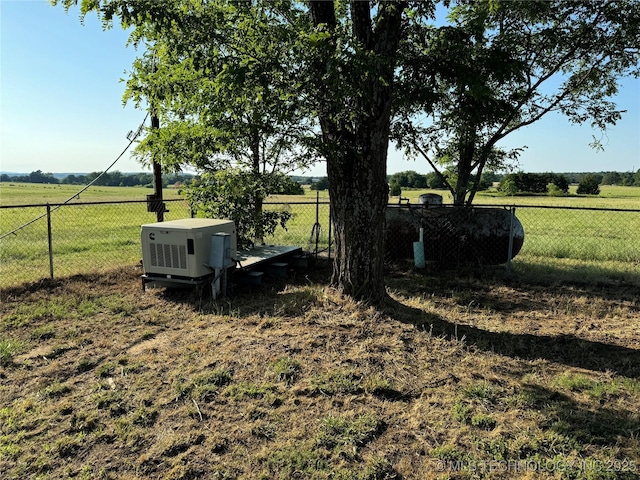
pixel 589 186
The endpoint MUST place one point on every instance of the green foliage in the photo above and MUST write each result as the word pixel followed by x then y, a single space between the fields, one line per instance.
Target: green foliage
pixel 320 185
pixel 207 385
pixel 112 179
pixel 337 431
pixel 574 382
pixel 219 377
pixel 56 389
pixel 289 187
pixel 8 349
pixel 238 195
pixel 481 391
pixel 560 182
pixel 409 179
pixel 250 390
pixel 435 181
pixel 554 191
pixel 447 453
pixel 144 417
pixel 528 182
pixel 337 382
pixel 287 369
pixel 522 182
pixel 589 185
pixel 461 412
pixel 395 190
pixel 219 81
pixel 483 421
pixel 612 178
pixel 33 177
pixel 293 460
pixel 43 332
pixel 508 186
pixel 487 74
pixel 85 364
pixel 105 370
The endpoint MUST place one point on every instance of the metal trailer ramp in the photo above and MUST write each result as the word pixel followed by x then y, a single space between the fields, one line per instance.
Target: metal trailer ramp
pixel 274 260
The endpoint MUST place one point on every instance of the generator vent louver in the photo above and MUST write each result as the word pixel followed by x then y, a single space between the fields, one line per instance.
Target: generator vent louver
pixel 182 248
pixel 168 255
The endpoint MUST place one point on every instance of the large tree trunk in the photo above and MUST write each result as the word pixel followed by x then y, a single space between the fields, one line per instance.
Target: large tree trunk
pixel 359 195
pixel 466 152
pixel 357 148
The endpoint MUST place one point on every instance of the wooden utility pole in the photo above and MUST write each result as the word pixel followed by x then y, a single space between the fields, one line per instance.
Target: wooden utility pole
pixel 154 202
pixel 158 206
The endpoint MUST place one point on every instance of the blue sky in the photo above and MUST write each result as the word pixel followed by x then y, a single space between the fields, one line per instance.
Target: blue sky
pixel 61 104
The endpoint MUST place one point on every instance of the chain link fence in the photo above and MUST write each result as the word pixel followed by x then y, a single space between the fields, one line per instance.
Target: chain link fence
pixel 53 241
pixel 595 245
pixel 58 240
pixel 586 244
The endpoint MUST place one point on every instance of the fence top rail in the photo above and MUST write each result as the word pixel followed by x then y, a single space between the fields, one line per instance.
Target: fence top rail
pixel 505 206
pixel 117 202
pixel 567 207
pixel 327 202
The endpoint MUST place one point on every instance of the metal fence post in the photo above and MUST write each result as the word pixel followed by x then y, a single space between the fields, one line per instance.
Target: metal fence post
pixel 510 252
pixel 317 222
pixel 50 243
pixel 329 249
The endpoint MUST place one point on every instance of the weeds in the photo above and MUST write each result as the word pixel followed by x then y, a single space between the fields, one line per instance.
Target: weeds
pixel 85 364
pixel 287 369
pixel 337 431
pixel 484 421
pixel 43 332
pixel 337 382
pixel 8 348
pixel 207 385
pixel 105 370
pixel 56 389
pixel 249 389
pixel 574 383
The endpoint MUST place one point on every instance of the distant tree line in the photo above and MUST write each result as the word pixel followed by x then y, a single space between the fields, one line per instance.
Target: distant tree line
pixel 558 184
pixel 109 179
pixel 33 177
pixel 433 180
pixel 510 184
pixel 522 182
pixel 118 179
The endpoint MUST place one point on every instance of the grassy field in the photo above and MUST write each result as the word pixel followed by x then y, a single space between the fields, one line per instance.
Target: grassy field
pixel 12 193
pixel 93 238
pixel 611 196
pixel 27 193
pixel 456 378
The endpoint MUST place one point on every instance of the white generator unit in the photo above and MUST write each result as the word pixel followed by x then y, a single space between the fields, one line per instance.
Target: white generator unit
pixel 182 249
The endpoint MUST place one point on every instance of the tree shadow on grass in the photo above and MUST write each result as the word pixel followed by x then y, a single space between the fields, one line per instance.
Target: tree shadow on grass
pixel 565 349
pixel 585 425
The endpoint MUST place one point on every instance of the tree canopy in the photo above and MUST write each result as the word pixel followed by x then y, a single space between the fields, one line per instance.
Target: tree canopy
pixel 500 66
pixel 280 83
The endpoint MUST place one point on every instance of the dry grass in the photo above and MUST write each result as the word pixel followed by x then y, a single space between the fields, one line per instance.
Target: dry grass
pixel 99 380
